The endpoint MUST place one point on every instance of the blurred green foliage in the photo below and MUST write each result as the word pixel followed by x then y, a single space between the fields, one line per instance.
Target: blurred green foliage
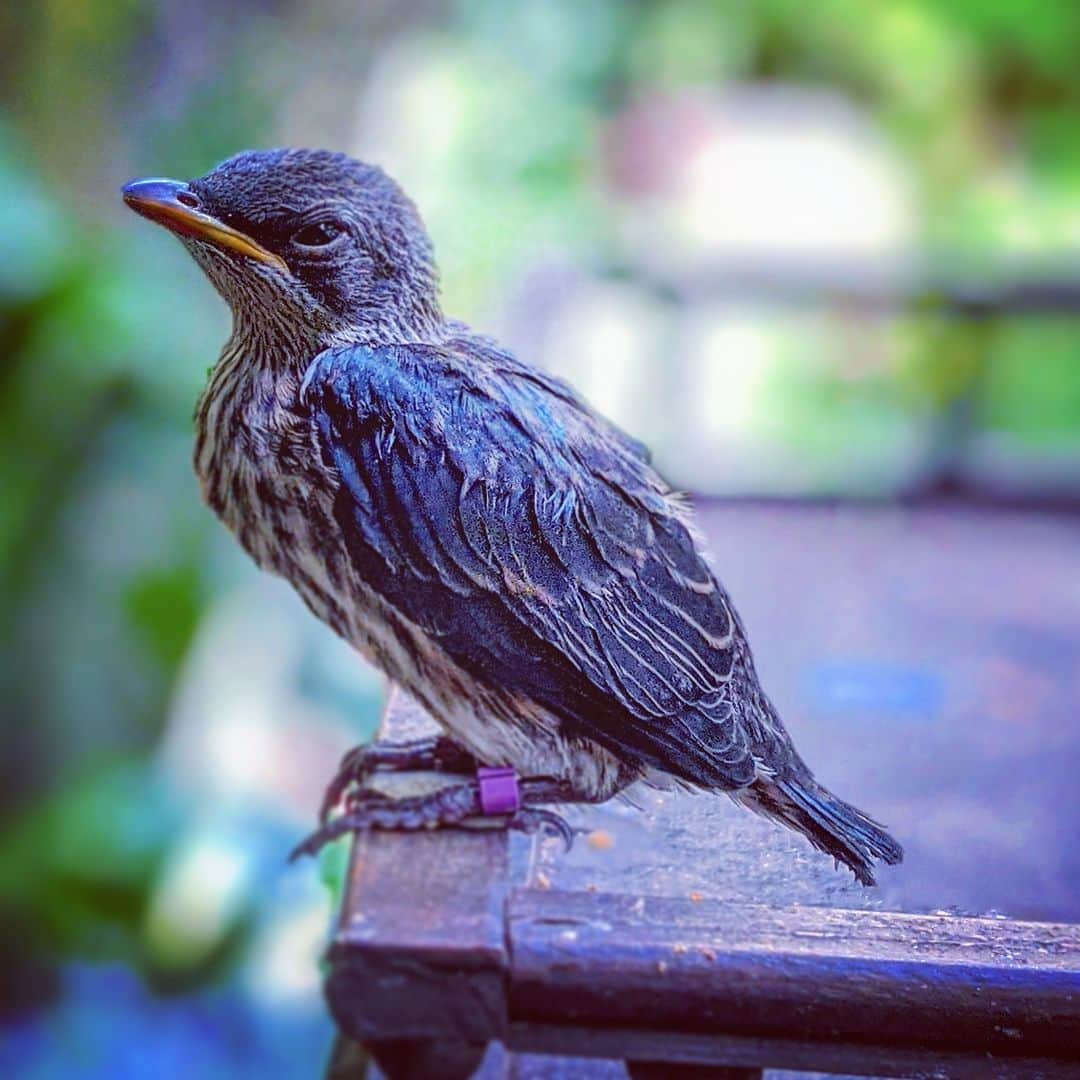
pixel 87 886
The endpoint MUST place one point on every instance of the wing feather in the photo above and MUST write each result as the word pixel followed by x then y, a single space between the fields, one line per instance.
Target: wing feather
pixel 534 541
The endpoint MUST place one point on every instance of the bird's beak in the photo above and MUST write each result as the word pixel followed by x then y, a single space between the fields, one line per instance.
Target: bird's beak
pixel 174 205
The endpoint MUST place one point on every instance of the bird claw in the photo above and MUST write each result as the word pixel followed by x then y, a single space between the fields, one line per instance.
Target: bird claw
pixel 362 762
pixel 365 810
pixel 533 819
pixel 356 766
pixel 314 843
pixel 451 807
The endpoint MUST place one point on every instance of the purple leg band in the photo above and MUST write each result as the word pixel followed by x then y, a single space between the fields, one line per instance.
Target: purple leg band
pixel 499 792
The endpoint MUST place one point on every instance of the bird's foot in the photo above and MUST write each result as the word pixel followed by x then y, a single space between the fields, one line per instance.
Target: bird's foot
pixel 534 819
pixel 359 764
pixel 450 806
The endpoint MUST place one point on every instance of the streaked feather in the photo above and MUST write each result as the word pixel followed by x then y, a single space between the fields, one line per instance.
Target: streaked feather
pixel 538 547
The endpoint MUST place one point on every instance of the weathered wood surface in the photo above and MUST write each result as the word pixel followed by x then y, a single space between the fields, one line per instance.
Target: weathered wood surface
pixel 816 1058
pixel 921 982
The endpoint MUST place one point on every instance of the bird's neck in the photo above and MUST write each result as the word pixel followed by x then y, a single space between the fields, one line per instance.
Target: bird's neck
pixel 282 343
pixel 258 374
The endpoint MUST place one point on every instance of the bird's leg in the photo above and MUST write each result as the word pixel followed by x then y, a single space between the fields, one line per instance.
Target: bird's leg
pixel 501 795
pixel 437 753
pixel 451 806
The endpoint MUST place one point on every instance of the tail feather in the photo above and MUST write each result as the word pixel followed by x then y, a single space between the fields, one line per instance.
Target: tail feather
pixel 829 823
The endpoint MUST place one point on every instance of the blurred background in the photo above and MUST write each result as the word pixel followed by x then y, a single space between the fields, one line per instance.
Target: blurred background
pixel 818 256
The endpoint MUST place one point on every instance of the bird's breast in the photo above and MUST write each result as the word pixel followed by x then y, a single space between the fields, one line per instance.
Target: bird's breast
pixel 260 471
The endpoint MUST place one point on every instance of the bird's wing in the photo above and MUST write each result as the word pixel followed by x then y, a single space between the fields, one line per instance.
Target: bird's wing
pixel 537 546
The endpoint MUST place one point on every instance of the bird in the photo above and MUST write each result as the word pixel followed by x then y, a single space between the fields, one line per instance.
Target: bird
pixel 466 521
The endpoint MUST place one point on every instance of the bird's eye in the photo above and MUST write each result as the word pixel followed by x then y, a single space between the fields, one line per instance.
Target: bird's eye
pixel 318 234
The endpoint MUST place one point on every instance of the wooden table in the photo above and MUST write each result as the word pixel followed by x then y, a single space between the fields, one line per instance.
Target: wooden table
pixel 928 662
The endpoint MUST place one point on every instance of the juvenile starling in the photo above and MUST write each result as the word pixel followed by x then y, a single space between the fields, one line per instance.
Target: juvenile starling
pixel 468 523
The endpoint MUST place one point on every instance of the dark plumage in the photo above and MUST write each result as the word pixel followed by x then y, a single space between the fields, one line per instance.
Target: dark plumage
pixel 470 524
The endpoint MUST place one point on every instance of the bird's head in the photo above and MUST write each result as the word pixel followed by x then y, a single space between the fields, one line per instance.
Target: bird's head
pixel 306 239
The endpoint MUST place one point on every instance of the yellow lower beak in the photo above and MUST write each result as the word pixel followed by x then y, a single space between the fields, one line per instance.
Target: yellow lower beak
pixel 174 205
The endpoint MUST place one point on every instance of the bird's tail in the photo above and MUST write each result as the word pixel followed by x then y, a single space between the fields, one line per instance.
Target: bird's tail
pixel 829 823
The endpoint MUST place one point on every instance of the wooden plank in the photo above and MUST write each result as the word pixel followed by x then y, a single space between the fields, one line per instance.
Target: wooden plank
pixel 692 1050
pixel 419 951
pixel 827 976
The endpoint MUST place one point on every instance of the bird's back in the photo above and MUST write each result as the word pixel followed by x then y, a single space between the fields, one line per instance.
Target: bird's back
pixel 536 543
